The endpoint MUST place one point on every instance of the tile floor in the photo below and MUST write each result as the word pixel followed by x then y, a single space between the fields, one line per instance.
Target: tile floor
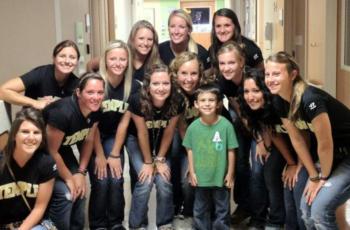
pixel 178 224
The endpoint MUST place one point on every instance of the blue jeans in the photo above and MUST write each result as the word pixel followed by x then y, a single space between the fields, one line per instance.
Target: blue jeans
pixel 38 227
pixel 336 191
pixel 242 169
pixel 266 190
pixel 140 197
pixel 292 200
pixel 106 205
pixel 182 190
pixel 204 197
pixel 66 214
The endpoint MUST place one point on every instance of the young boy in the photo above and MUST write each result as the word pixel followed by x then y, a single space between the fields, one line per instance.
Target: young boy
pixel 210 141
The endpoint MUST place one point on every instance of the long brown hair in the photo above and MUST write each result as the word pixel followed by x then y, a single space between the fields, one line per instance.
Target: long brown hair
pixel 26 114
pixel 216 44
pixel 299 85
pixel 172 102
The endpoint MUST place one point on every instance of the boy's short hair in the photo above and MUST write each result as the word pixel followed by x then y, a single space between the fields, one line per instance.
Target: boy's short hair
pixel 209 88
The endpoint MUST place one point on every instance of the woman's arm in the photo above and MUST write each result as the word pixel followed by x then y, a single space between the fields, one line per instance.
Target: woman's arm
pixel 323 131
pixel 289 175
pixel 11 92
pixel 85 155
pixel 300 147
pixel 142 135
pixel 54 141
pixel 100 160
pixel 282 147
pixel 87 147
pixel 41 202
pixel 167 136
pixel 121 133
pixel 113 160
pixel 162 167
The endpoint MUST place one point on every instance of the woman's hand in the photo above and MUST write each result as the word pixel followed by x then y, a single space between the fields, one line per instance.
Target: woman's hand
pixel 311 190
pixel 164 170
pixel 290 176
pixel 261 152
pixel 115 165
pixel 43 102
pixel 80 185
pixel 72 188
pixel 146 173
pixel 100 166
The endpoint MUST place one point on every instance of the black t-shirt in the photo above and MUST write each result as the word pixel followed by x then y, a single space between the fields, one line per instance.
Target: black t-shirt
pixel 139 73
pixel 167 55
pixel 41 82
pixel 227 87
pixel 252 52
pixel 39 169
pixel 113 107
pixel 156 125
pixel 314 102
pixel 66 116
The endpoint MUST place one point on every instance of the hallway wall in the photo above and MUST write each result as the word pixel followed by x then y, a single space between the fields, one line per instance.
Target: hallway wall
pixel 30 29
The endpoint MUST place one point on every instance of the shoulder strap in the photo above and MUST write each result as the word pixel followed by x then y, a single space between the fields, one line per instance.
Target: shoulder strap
pixel 23 197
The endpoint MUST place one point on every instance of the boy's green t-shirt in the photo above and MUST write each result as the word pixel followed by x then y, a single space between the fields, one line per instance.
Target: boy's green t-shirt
pixel 210 145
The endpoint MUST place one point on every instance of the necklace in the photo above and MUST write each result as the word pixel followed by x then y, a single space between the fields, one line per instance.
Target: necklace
pixel 155 136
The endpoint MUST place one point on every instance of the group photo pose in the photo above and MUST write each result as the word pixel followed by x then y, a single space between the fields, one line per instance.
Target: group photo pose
pixel 161 128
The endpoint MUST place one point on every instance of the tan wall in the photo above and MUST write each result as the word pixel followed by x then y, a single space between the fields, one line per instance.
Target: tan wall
pixel 28 32
pixel 299 33
pixel 27 35
pixel 343 76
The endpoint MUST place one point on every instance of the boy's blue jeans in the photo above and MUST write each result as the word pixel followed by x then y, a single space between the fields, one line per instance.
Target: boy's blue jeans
pixel 204 198
pixel 140 197
pixel 106 205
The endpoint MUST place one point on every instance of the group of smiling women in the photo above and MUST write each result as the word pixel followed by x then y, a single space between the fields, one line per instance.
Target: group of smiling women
pixel 292 165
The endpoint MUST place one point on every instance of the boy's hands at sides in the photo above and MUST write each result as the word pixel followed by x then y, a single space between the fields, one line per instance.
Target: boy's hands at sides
pixel 228 181
pixel 193 179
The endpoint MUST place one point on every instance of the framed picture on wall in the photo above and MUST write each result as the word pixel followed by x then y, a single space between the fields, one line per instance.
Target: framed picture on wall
pixel 200 19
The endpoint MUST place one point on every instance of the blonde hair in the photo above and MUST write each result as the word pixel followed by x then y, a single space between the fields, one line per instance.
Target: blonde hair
pixel 192 45
pixel 153 56
pixel 299 85
pixel 127 73
pixel 230 46
pixel 181 59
